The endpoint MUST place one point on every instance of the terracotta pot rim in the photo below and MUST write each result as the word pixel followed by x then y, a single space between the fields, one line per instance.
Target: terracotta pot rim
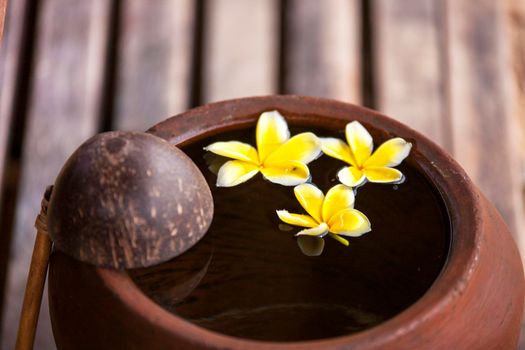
pixel 460 196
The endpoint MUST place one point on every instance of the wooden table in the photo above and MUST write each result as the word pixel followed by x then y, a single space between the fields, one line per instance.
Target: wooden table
pixel 453 69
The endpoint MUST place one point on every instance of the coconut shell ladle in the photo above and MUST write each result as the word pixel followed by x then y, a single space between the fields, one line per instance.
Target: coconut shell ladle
pixel 122 200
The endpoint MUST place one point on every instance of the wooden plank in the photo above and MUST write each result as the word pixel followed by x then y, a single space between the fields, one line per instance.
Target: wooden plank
pixel 63 113
pixel 483 129
pixel 515 33
pixel 240 48
pixel 407 61
pixel 154 66
pixel 322 53
pixel 3 10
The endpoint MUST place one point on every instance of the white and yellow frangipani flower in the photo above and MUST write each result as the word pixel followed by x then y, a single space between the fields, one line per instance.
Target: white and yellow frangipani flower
pixel 281 159
pixel 365 165
pixel 333 214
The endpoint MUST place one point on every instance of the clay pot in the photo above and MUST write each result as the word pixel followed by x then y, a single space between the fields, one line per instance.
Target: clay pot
pixel 476 302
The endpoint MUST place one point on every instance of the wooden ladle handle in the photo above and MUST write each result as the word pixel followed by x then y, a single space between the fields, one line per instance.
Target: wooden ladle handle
pixel 35 280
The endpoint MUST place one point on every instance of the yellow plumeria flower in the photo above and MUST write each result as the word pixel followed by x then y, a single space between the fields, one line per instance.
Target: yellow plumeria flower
pixel 364 165
pixel 333 214
pixel 278 157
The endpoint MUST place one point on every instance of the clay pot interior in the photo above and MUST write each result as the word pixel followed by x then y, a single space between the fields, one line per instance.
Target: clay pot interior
pixel 247 277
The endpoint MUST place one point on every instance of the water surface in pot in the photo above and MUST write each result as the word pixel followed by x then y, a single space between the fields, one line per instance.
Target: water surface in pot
pixel 248 278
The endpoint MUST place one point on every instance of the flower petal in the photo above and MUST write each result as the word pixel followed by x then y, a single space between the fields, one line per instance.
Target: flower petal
pixel 383 175
pixel 235 172
pixel 296 219
pixel 351 176
pixel 311 199
pixel 302 148
pixel 236 150
pixel 338 149
pixel 349 222
pixel 360 142
pixel 271 132
pixel 390 153
pixel 316 231
pixel 337 198
pixel 287 173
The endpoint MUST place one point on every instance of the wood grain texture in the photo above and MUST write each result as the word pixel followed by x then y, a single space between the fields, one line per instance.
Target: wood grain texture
pixel 240 48
pixel 407 60
pixel 62 113
pixel 322 52
pixel 154 62
pixel 482 126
